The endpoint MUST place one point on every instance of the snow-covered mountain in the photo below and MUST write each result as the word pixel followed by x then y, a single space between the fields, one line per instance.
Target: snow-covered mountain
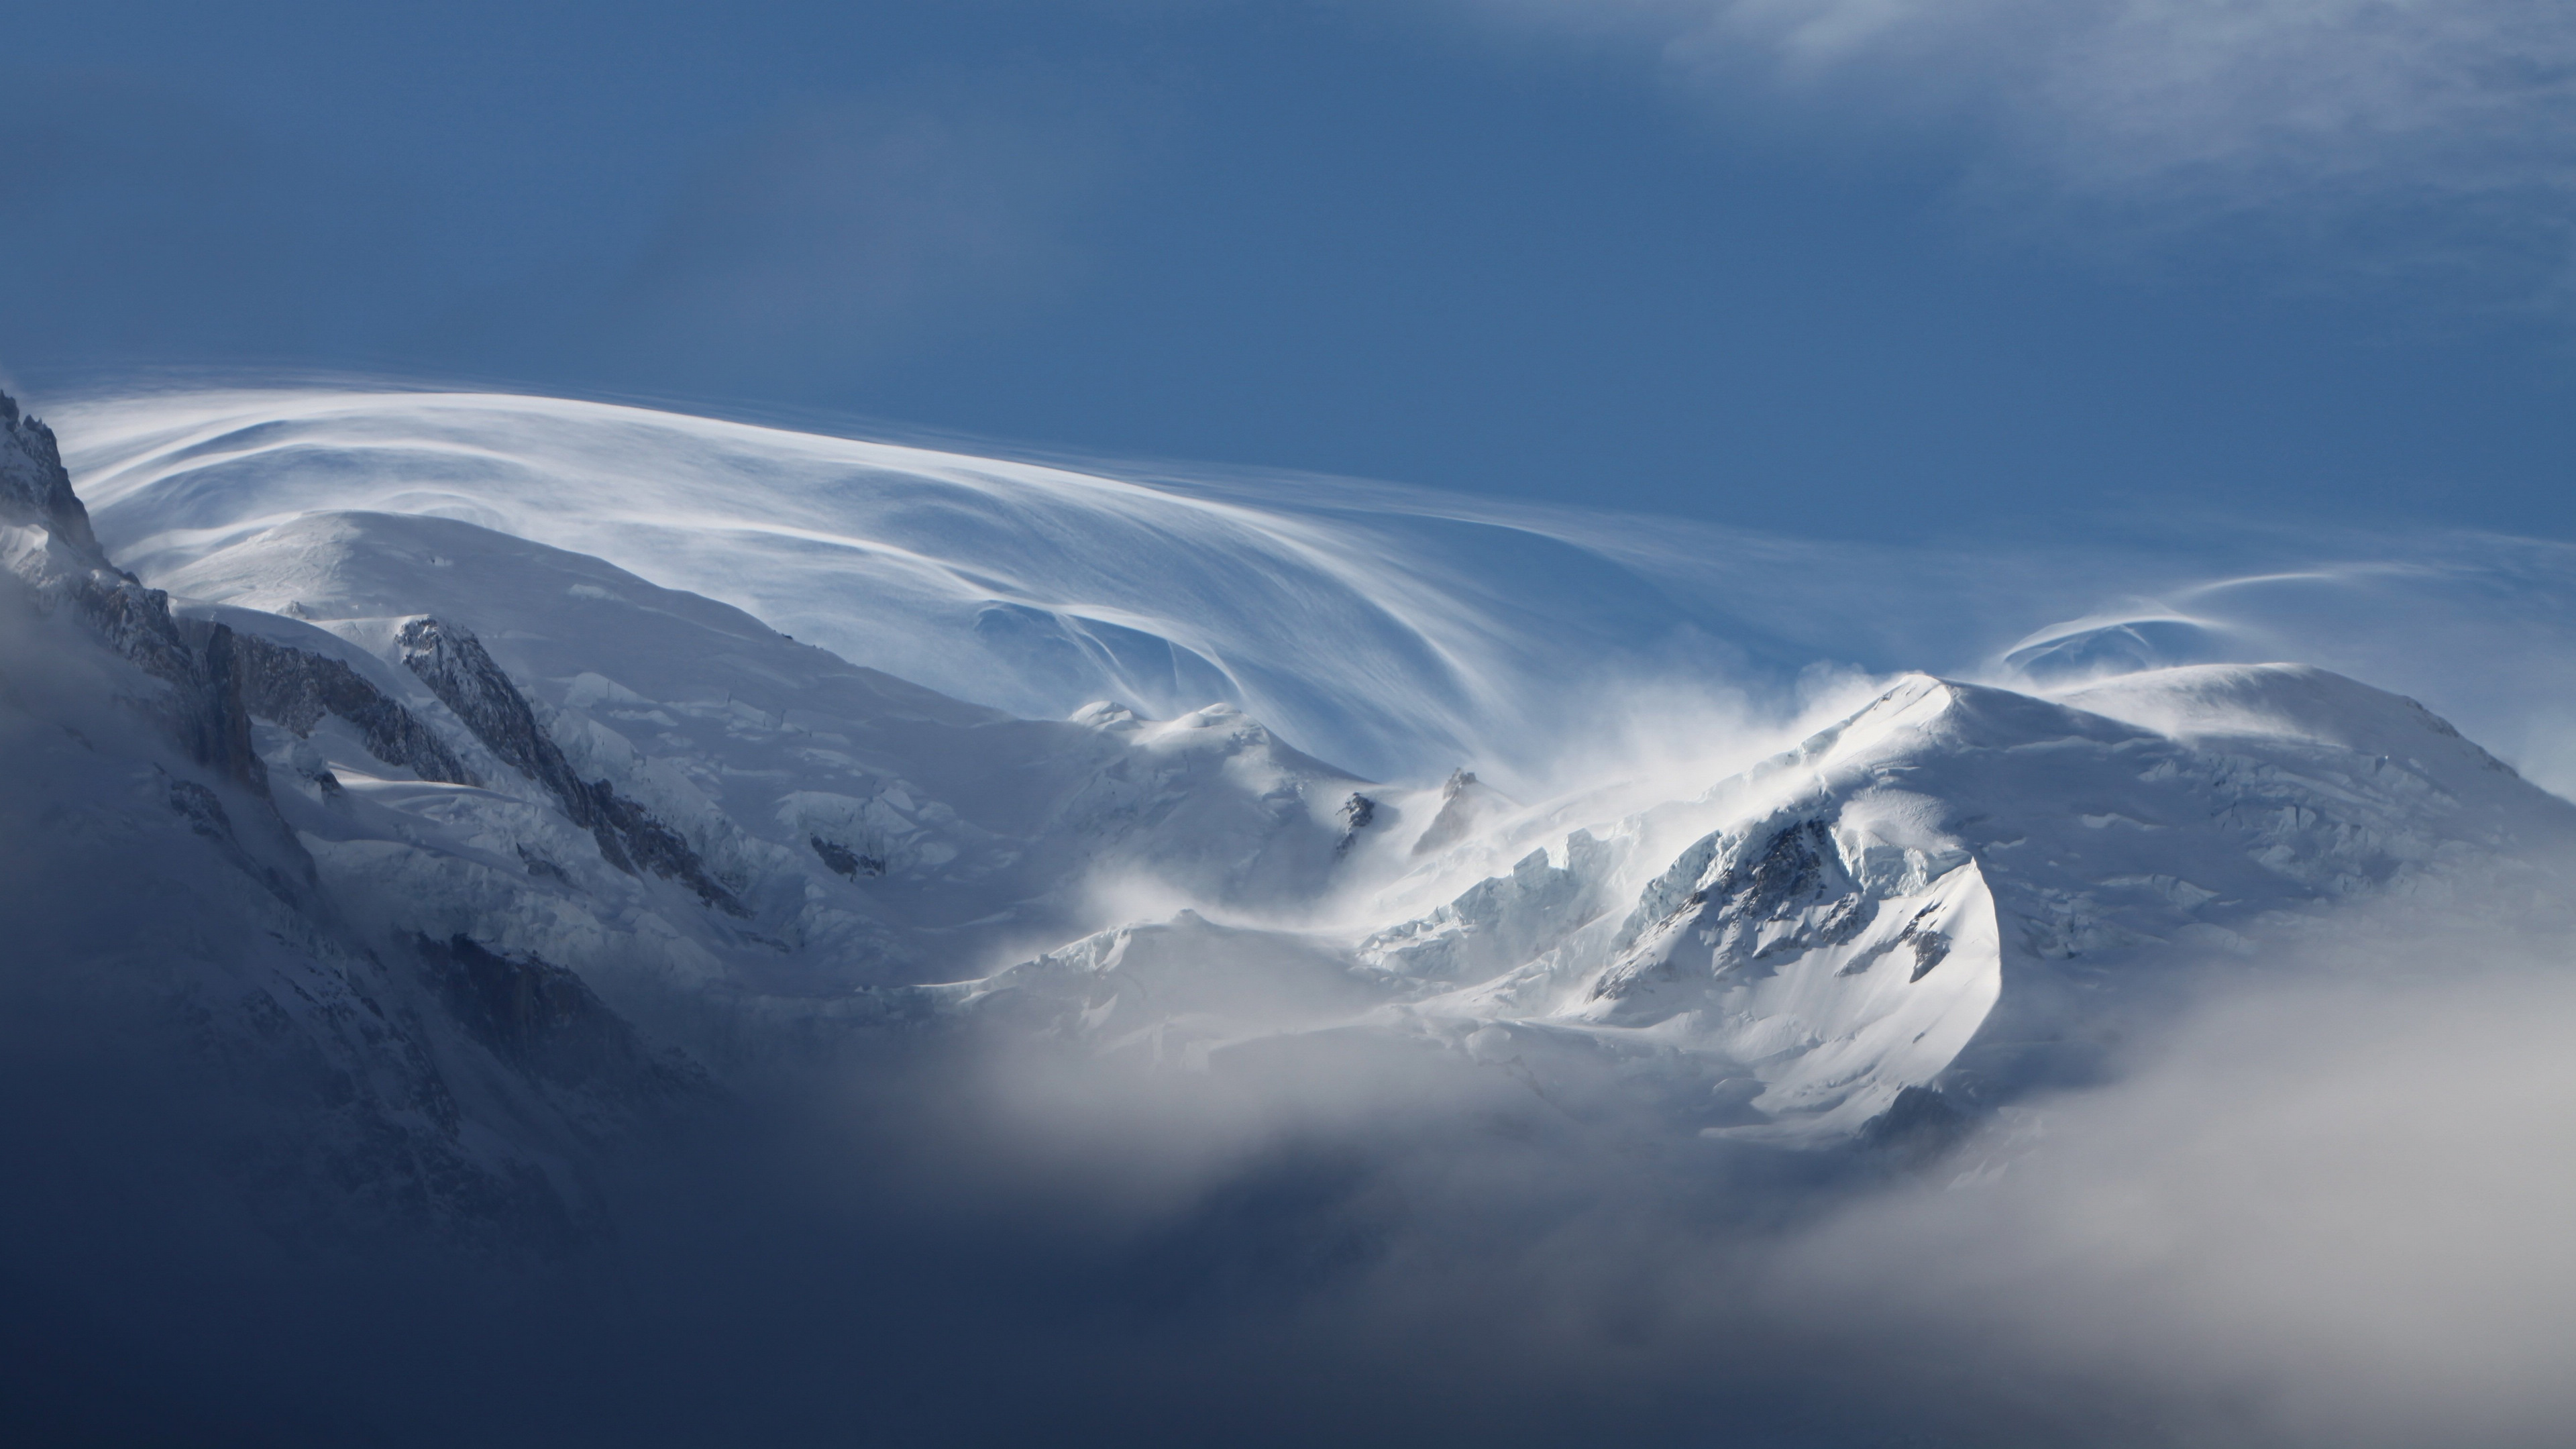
pixel 1956 895
pixel 173 946
pixel 848 821
pixel 527 850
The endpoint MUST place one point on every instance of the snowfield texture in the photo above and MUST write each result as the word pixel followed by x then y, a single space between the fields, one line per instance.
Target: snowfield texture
pixel 533 844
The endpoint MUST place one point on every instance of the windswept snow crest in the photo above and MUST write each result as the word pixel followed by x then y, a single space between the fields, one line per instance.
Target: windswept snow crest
pixel 1387 640
pixel 1397 632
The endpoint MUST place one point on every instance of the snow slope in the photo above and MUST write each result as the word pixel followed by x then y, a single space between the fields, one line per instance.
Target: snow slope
pixel 1959 890
pixel 1398 643
pixel 189 997
pixel 836 826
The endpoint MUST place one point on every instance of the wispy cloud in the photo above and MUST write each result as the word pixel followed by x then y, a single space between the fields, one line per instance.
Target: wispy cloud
pixel 2452 120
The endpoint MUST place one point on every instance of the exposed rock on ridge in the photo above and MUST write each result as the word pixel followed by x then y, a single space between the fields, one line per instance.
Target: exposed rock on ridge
pixel 57 558
pixel 296 688
pixel 35 487
pixel 455 666
pixel 547 1022
pixel 215 969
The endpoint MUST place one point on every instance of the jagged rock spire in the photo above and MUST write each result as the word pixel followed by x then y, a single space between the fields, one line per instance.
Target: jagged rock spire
pixel 35 488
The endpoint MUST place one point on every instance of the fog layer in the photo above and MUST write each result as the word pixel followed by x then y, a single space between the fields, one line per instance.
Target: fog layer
pixel 2326 1207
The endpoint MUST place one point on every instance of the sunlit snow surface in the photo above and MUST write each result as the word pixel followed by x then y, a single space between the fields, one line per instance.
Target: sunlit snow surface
pixel 1396 633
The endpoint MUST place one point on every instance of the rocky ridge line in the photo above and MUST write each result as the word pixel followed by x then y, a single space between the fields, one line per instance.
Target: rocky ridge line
pixel 297 687
pixel 455 666
pixel 203 708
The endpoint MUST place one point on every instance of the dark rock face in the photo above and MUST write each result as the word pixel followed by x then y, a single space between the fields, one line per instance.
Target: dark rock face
pixel 296 688
pixel 35 488
pixel 1916 1129
pixel 1793 872
pixel 1358 813
pixel 1788 878
pixel 1930 947
pixel 545 1021
pixel 844 860
pixel 203 707
pixel 134 620
pixel 454 664
pixel 214 720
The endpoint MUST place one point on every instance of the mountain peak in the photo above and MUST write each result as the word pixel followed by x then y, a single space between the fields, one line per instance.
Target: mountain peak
pixel 2292 704
pixel 35 487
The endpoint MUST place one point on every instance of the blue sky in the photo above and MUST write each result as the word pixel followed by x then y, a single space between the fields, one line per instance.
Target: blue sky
pixel 1885 270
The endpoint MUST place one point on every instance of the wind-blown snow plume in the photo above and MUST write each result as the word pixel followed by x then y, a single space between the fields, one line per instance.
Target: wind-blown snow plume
pixel 1391 640
pixel 1396 632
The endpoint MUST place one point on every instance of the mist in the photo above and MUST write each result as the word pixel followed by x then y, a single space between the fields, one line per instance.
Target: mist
pixel 2319 1204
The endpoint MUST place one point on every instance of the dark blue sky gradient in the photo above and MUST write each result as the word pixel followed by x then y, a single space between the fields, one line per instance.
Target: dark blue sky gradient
pixel 1379 239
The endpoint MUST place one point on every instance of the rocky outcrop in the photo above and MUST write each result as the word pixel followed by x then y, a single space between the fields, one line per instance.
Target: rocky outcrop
pixel 545 1021
pixel 210 714
pixel 1465 802
pixel 845 861
pixel 66 567
pixel 296 688
pixel 1358 813
pixel 35 487
pixel 456 667
pixel 1767 903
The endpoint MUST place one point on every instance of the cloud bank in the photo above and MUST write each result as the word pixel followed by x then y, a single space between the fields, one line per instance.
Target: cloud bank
pixel 2325 1208
pixel 2322 1212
